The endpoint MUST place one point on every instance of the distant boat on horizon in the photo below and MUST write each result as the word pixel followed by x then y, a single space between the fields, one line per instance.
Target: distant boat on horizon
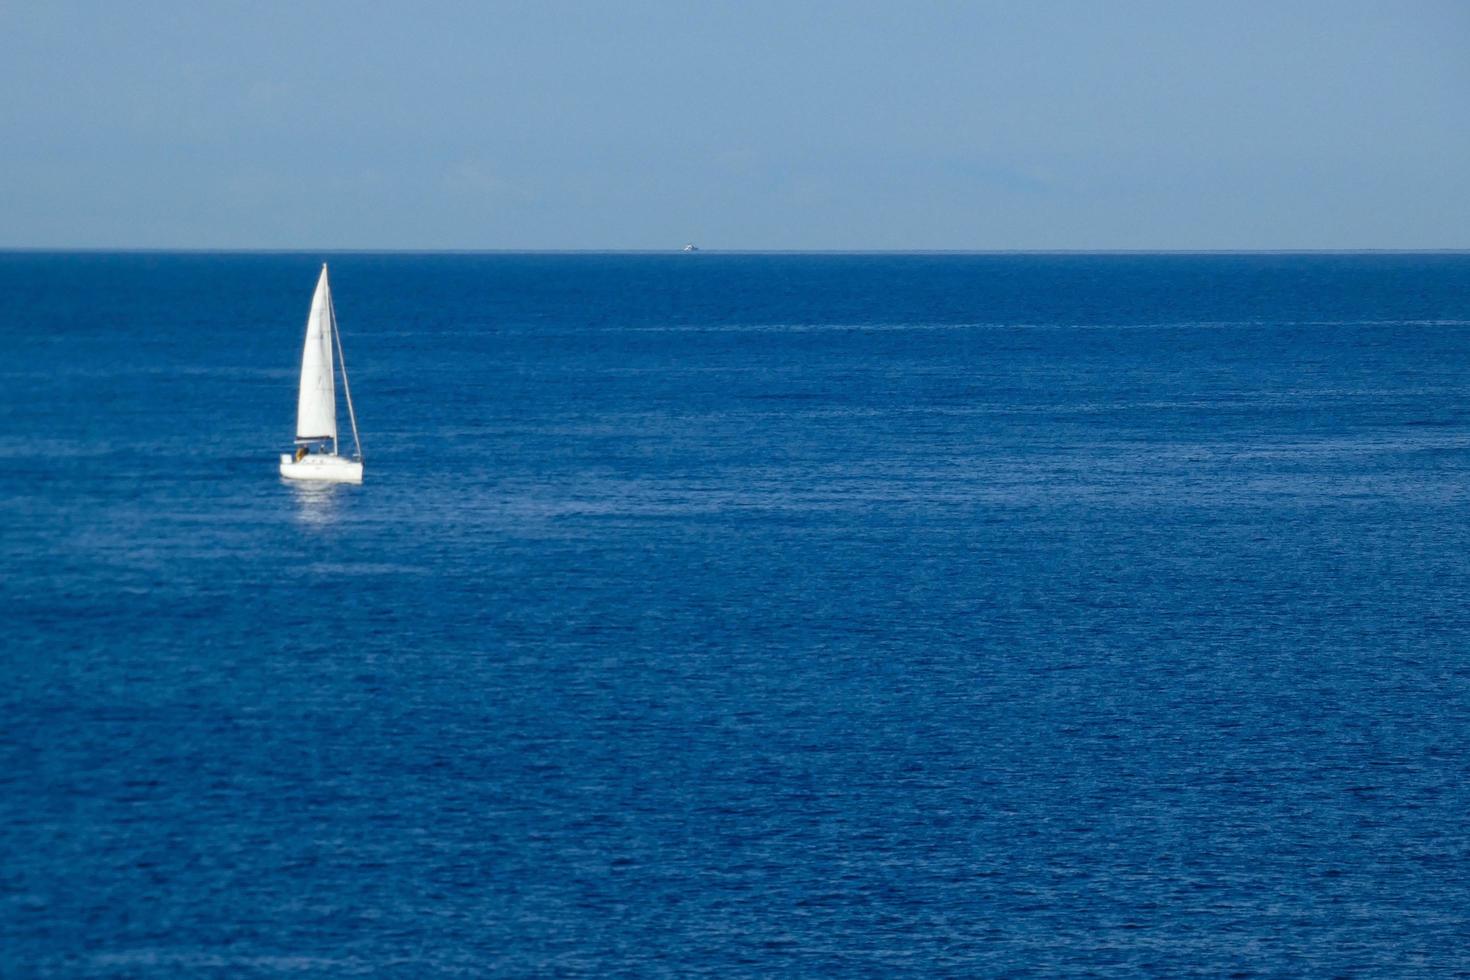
pixel 316 402
pixel 691 247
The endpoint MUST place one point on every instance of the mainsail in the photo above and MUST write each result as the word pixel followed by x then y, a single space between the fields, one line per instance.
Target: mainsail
pixel 316 407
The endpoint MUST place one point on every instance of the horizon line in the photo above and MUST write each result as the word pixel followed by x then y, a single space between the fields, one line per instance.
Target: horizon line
pixel 678 250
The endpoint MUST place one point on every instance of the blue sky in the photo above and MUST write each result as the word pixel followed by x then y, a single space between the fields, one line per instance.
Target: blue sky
pixel 782 125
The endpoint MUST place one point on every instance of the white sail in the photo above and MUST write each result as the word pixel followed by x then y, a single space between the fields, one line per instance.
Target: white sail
pixel 316 407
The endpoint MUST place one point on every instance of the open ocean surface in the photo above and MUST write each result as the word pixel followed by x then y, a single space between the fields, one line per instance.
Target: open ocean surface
pixel 715 615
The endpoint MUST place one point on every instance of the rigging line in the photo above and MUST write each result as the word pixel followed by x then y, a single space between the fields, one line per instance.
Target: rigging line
pixel 346 388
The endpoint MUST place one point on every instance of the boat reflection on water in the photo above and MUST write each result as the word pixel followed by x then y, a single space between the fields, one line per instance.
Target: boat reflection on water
pixel 317 502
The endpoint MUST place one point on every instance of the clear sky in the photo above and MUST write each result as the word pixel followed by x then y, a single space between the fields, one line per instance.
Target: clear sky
pixel 749 124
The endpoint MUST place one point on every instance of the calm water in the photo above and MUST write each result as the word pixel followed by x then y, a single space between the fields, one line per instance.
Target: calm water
pixel 720 615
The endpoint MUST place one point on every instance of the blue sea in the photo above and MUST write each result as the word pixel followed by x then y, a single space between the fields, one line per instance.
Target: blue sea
pixel 739 615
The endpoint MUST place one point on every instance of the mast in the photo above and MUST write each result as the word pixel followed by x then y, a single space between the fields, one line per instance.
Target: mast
pixel 346 388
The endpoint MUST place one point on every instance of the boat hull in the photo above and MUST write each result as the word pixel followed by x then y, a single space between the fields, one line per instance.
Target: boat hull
pixel 329 469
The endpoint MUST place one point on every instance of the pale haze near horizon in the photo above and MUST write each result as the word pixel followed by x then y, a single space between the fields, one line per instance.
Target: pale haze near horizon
pixel 735 125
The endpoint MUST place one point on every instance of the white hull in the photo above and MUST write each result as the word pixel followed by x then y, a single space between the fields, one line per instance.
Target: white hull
pixel 332 469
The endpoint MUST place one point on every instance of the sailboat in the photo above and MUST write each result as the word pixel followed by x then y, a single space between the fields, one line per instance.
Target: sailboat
pixel 316 405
